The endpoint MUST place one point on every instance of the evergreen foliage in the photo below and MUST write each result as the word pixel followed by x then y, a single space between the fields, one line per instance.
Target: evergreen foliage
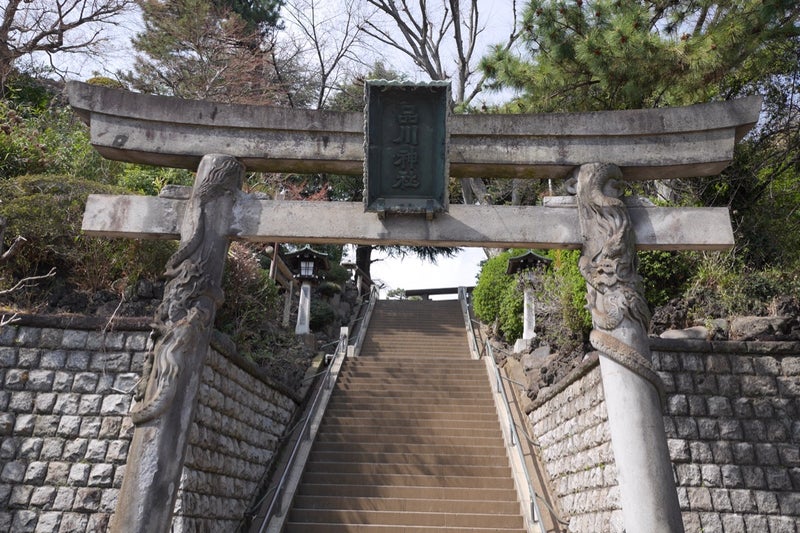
pixel 47 211
pixel 560 294
pixel 492 283
pixel 608 54
pixel 211 50
pixel 36 137
pixel 585 55
pixel 261 15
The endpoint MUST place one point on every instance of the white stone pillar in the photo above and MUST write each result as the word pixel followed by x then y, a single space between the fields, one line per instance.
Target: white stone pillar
pixel 529 314
pixel 304 310
pixel 644 471
pixel 619 320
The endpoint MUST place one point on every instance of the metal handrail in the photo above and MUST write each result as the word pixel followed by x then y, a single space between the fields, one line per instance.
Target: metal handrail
pixel 328 381
pixel 374 294
pixel 533 509
pixel 513 436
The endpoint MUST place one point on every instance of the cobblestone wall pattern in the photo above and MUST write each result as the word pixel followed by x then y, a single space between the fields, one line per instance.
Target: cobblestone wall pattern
pixel 733 430
pixel 65 432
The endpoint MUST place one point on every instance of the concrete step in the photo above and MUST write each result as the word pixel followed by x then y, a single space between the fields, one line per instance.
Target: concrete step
pixel 408 458
pixel 414 505
pixel 444 395
pixel 307 527
pixel 367 412
pixel 360 401
pixel 414 424
pixel 407 518
pixel 402 431
pixel 408 480
pixel 423 375
pixel 363 467
pixel 414 381
pixel 444 362
pixel 334 445
pixel 377 390
pixel 406 491
pixel 426 439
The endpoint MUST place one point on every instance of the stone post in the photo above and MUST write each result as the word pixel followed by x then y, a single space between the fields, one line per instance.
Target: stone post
pixel 181 331
pixel 304 310
pixel 287 304
pixel 633 391
pixel 528 314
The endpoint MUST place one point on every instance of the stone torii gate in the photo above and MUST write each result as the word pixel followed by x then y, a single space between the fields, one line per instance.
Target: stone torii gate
pixel 593 151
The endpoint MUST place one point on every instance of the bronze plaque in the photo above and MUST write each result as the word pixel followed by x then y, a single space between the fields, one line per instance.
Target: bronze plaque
pixel 405 165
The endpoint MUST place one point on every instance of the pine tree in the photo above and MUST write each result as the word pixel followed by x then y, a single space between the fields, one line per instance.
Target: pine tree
pixel 616 54
pixel 203 49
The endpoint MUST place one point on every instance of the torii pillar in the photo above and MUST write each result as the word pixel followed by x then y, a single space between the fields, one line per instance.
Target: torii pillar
pixel 184 322
pixel 633 392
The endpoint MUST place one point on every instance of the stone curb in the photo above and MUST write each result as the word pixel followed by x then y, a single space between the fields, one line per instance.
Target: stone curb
pixel 590 360
pixel 721 347
pixel 83 322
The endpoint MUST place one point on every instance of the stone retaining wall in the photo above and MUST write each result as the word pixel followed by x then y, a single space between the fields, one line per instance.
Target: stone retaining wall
pixel 65 392
pixel 733 428
pixel 231 445
pixel 571 425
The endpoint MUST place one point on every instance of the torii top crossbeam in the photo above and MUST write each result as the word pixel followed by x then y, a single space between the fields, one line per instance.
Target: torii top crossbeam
pixel 646 143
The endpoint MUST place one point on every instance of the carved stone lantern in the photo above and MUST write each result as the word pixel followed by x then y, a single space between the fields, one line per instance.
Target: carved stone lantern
pixel 307 265
pixel 522 265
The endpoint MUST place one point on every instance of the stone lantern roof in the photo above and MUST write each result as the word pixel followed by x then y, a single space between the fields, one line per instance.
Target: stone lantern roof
pixel 526 261
pixel 300 260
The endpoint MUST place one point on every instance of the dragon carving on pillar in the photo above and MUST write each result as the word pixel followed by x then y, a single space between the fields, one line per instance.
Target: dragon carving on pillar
pixel 192 294
pixel 608 263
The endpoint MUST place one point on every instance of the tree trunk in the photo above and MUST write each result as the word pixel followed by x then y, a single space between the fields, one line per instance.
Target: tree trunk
pixel 364 258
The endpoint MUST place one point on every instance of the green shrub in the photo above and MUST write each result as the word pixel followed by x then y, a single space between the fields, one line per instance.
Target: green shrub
pixel 337 274
pixel 329 289
pixel 322 315
pixel 47 211
pixel 560 294
pixel 38 139
pixel 512 308
pixel 148 180
pixel 665 275
pixel 252 299
pixel 570 288
pixel 491 287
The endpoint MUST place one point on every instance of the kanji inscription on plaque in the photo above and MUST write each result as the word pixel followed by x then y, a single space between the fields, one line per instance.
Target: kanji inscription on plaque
pixel 405 165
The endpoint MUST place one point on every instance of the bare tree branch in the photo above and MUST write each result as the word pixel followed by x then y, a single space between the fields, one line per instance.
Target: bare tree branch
pixel 428 31
pixel 332 38
pixel 51 26
pixel 27 282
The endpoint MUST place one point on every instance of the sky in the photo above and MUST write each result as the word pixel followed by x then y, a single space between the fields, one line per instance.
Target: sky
pixel 413 273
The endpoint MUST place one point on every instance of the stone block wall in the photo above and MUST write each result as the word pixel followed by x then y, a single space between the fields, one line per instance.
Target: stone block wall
pixel 65 435
pixel 570 423
pixel 231 445
pixel 733 429
pixel 66 391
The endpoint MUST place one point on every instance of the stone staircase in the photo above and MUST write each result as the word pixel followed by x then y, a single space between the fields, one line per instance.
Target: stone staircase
pixel 410 441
